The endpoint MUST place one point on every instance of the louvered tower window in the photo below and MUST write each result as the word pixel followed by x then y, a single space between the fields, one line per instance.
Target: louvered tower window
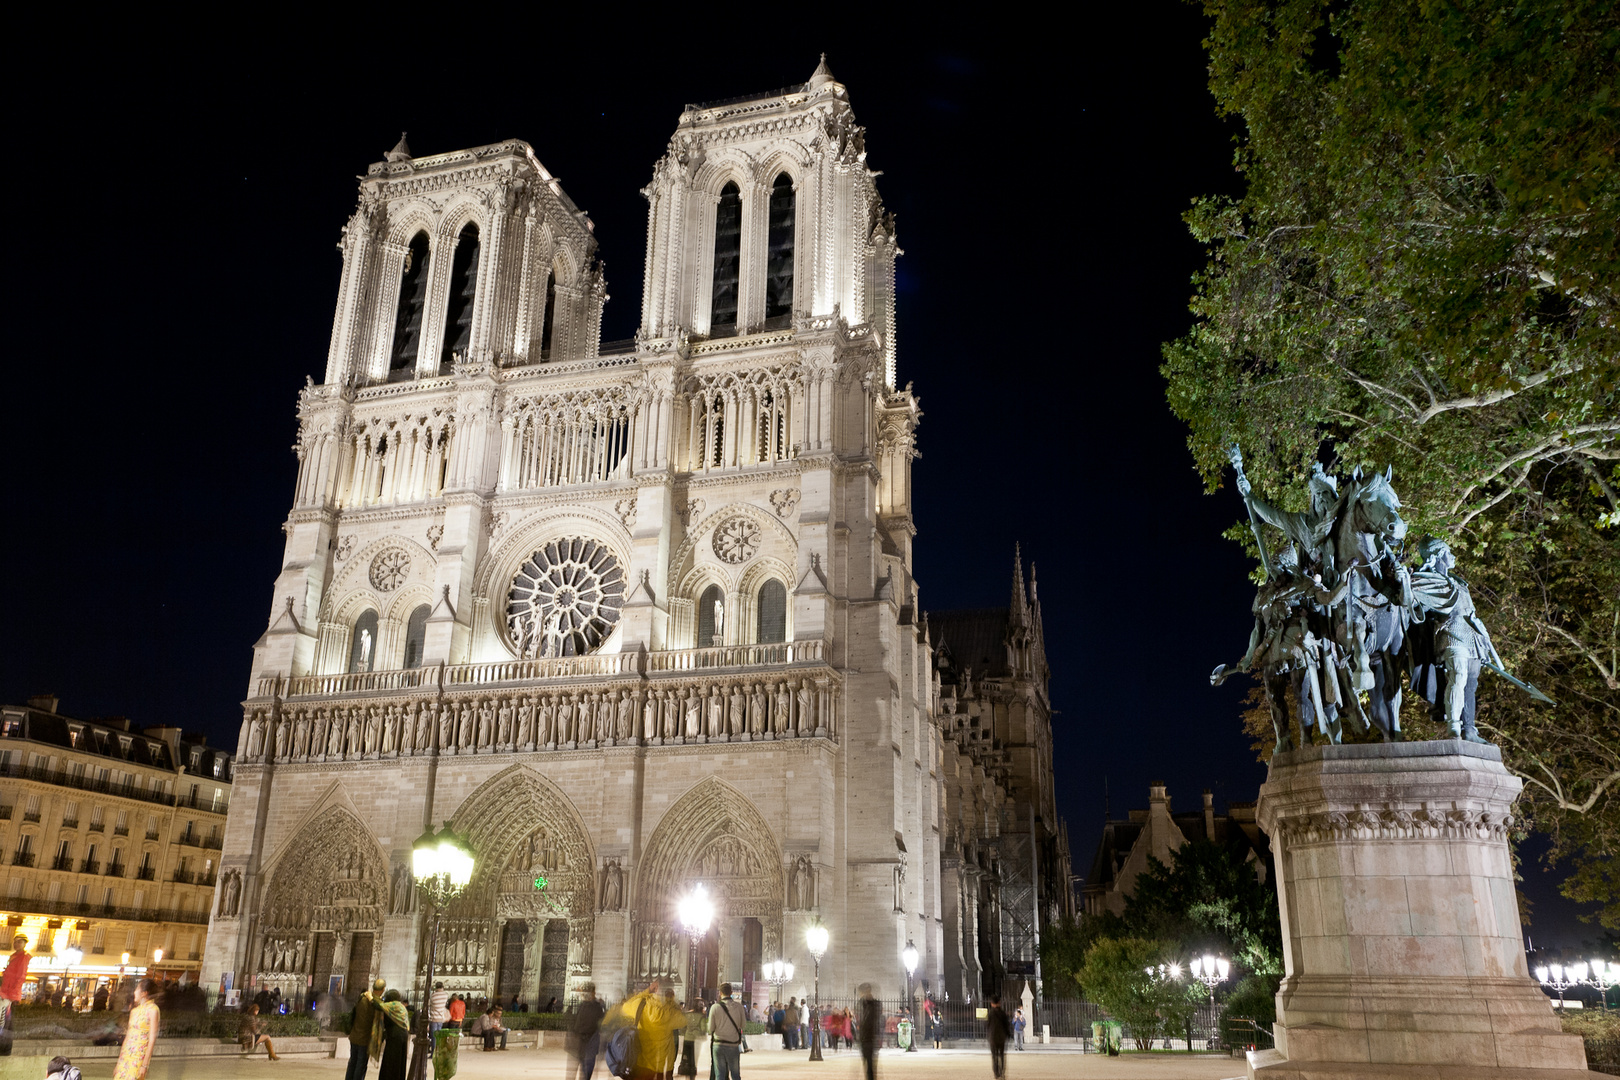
pixel 463 285
pixel 772 613
pixel 416 636
pixel 413 286
pixel 709 627
pixel 727 259
pixel 779 261
pixel 550 317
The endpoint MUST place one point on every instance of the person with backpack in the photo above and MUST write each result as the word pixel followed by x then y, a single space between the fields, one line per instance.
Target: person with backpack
pixel 585 1038
pixel 726 1035
pixel 644 1027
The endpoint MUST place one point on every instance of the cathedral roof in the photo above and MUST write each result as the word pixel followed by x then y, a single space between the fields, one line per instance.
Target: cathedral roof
pixel 974 639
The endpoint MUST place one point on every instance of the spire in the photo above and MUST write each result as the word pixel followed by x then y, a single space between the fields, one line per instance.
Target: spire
pixel 821 76
pixel 1037 631
pixel 1018 611
pixel 400 152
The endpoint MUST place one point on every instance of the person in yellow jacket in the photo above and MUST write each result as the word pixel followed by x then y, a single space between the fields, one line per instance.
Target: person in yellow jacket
pixel 656 1023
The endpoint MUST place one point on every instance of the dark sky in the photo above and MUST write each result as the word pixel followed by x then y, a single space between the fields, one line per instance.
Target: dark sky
pixel 175 274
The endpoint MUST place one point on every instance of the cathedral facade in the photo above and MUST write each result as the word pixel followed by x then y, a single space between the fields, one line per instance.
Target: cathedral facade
pixel 629 620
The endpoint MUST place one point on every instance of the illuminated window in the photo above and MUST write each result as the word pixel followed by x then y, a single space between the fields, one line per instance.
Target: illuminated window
pixel 727 259
pixel 458 315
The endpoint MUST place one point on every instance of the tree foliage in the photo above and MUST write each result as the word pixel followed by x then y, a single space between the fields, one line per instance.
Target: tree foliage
pixel 1424 271
pixel 1209 899
pixel 1124 976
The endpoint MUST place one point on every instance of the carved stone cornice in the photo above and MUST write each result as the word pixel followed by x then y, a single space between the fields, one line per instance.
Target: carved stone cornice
pixel 1394 822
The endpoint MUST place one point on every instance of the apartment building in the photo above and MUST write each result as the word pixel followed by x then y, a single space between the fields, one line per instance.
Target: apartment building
pixel 110 837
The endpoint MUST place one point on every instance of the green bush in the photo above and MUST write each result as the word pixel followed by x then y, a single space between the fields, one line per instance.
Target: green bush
pixel 33 1021
pixel 1599 1030
pixel 1255 998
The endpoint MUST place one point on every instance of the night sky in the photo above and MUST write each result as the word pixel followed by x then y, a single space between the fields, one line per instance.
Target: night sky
pixel 175 276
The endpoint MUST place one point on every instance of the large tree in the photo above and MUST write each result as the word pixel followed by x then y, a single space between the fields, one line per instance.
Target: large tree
pixel 1423 271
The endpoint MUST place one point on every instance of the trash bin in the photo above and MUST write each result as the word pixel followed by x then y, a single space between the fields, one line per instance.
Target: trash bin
pixel 902 1035
pixel 446 1043
pixel 1107 1035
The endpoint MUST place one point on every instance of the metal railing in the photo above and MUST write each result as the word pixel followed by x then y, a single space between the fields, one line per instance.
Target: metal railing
pixel 146 873
pixel 23 858
pixel 121 830
pixel 197 802
pixel 185 877
pixel 62 778
pixel 105 911
pixel 31 815
pixel 98 826
pixel 152 834
pixel 90 866
pixel 5 813
pixel 62 862
pixel 70 823
pixel 115 869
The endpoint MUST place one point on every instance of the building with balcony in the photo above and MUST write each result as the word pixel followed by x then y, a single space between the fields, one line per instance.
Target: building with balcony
pixel 111 838
pixel 630 617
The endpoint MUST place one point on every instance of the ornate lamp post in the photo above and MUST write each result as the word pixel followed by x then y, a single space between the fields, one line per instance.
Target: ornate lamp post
pixel 779 973
pixel 1562 978
pixel 443 866
pixel 1211 971
pixel 1604 975
pixel 909 957
pixel 816 939
pixel 696 912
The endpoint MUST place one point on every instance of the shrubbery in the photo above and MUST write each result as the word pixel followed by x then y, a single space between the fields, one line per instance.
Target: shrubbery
pixel 1255 998
pixel 1601 1032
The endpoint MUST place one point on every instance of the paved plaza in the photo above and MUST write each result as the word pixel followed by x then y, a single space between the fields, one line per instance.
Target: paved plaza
pixel 551 1065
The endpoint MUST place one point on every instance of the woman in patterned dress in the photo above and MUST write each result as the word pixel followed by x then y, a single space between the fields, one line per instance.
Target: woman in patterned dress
pixel 136 1055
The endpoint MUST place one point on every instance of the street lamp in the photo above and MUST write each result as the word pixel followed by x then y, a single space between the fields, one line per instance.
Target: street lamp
pixel 442 866
pixel 909 957
pixel 1211 971
pixel 1562 978
pixel 696 912
pixel 779 973
pixel 816 939
pixel 157 956
pixel 1604 975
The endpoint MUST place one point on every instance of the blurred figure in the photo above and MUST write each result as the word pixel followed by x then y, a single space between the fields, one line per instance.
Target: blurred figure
pixel 869 1030
pixel 585 1036
pixel 136 1055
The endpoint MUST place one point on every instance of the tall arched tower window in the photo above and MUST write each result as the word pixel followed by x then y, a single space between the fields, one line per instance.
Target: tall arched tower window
pixel 413 287
pixel 711 617
pixel 727 259
pixel 772 613
pixel 779 260
pixel 416 636
pixel 463 285
pixel 363 643
pixel 549 320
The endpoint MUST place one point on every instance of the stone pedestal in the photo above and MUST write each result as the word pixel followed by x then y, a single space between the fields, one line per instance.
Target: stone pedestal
pixel 1400 922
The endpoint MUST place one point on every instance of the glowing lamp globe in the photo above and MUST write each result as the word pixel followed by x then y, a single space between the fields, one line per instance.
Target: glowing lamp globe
pixel 909 957
pixel 816 939
pixel 696 910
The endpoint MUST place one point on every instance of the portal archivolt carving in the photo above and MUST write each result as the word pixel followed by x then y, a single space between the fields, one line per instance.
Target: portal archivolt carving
pixel 333 877
pixel 713 835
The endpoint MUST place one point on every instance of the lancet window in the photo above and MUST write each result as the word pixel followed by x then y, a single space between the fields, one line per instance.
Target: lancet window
pixel 416 636
pixel 413 289
pixel 711 617
pixel 458 315
pixel 772 613
pixel 576 438
pixel 740 418
pixel 363 643
pixel 779 256
pixel 727 260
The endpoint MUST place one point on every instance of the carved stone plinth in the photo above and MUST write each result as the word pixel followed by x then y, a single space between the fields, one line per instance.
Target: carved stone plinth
pixel 1400 921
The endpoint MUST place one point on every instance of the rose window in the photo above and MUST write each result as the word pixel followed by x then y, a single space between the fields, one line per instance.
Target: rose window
pixel 388 570
pixel 565 599
pixel 736 540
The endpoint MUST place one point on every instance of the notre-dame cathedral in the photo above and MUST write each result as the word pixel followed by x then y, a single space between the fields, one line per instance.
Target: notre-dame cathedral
pixel 631 619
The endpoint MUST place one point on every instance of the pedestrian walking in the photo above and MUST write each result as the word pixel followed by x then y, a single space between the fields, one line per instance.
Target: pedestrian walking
pixel 585 1037
pixel 135 1056
pixel 790 1024
pixel 438 1009
pixel 726 1036
pixel 250 1033
pixel 458 1010
pixel 645 1029
pixel 869 1030
pixel 996 1030
pixel 1018 1029
pixel 365 1031
pixel 11 983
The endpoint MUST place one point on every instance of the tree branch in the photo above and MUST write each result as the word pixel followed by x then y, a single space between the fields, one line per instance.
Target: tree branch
pixel 1586 651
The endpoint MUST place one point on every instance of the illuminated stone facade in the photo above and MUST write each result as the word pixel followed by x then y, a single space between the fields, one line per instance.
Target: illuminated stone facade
pixel 630 617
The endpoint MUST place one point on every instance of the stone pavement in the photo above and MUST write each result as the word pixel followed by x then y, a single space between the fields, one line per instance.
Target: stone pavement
pixel 1034 1064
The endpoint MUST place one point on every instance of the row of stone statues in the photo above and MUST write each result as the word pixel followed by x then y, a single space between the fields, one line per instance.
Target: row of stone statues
pixel 779 709
pixel 1342 622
